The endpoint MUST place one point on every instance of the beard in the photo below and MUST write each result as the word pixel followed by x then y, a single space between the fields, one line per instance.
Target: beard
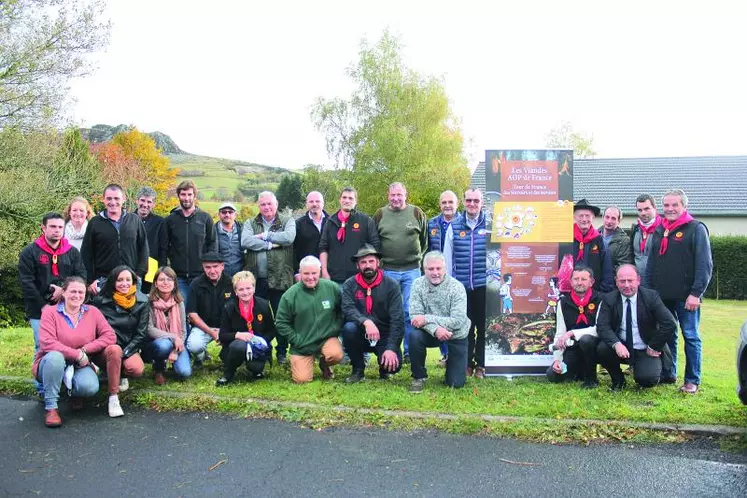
pixel 369 273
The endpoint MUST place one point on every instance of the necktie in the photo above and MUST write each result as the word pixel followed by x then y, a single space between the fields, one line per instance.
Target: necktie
pixel 629 328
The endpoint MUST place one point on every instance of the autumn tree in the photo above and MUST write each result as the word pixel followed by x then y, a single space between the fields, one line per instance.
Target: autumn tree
pixel 396 126
pixel 563 137
pixel 44 44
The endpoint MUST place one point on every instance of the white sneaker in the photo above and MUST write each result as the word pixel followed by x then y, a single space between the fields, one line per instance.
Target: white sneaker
pixel 124 384
pixel 115 409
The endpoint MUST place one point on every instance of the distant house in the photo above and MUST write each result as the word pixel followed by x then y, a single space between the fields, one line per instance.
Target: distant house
pixel 716 186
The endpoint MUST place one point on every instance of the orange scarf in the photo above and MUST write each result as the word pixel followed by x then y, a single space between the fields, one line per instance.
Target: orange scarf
pixel 127 300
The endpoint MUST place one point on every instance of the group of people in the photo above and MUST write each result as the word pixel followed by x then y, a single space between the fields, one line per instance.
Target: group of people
pixel 320 286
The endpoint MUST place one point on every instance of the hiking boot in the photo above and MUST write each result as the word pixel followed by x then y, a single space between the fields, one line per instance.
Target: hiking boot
pixel 689 388
pixel 224 381
pixel 417 386
pixel 469 372
pixel 442 361
pixel 618 384
pixel 479 373
pixel 159 378
pixel 76 403
pixel 327 372
pixel 355 377
pixel 282 358
pixel 124 384
pixel 115 409
pixel 52 418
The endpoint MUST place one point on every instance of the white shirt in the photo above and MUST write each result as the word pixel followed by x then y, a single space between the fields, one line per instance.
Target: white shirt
pixel 637 341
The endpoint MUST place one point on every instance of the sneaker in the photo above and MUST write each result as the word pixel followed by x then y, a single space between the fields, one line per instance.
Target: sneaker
pixel 689 388
pixel 355 377
pixel 223 381
pixel 469 372
pixel 159 378
pixel 124 384
pixel 52 418
pixel 76 403
pixel 327 372
pixel 417 386
pixel 442 361
pixel 479 373
pixel 115 409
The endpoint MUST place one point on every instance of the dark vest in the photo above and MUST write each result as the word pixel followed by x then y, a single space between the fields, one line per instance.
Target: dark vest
pixel 673 273
pixel 570 311
pixel 593 256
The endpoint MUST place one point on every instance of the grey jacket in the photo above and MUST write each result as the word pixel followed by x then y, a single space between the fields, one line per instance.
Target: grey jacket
pixel 444 305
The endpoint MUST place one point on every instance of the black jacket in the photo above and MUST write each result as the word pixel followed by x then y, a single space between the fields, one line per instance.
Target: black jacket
pixel 655 323
pixel 130 326
pixel 35 275
pixel 158 240
pixel 189 237
pixel 360 229
pixel 105 248
pixel 231 321
pixel 387 314
pixel 307 238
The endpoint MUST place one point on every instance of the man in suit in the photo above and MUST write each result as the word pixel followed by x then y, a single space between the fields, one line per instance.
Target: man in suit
pixel 634 327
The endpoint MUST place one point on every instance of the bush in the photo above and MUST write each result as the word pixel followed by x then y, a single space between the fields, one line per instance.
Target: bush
pixel 729 267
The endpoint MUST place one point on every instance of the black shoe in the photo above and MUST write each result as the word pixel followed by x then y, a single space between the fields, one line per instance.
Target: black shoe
pixel 259 375
pixel 282 359
pixel 355 377
pixel 590 384
pixel 618 385
pixel 406 360
pixel 668 380
pixel 225 380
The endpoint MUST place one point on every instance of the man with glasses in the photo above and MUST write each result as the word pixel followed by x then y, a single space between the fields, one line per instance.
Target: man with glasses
pixel 228 239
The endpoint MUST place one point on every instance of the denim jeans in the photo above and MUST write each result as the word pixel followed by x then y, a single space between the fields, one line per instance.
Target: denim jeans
pixel 50 372
pixel 405 280
pixel 158 351
pixel 183 285
pixel 197 343
pixel 35 323
pixel 690 326
pixel 456 365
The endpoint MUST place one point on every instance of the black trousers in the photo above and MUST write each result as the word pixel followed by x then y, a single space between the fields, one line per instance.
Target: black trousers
pixel 355 342
pixel 234 355
pixel 456 364
pixel 581 360
pixel 272 295
pixel 646 371
pixel 476 335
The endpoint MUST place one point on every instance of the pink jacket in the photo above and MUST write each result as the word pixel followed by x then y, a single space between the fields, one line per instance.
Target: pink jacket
pixel 55 334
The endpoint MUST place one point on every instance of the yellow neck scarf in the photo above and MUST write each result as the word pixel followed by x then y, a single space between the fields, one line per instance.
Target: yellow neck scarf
pixel 125 301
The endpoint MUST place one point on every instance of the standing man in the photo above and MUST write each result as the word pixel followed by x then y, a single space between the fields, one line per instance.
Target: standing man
pixel 228 239
pixel 634 327
pixel 208 294
pixel 679 267
pixel 309 317
pixel 155 228
pixel 588 245
pixel 309 228
pixel 43 266
pixel 268 239
pixel 403 233
pixel 643 229
pixel 470 249
pixel 438 307
pixel 191 234
pixel 373 316
pixel 114 237
pixel 616 241
pixel 576 331
pixel 346 232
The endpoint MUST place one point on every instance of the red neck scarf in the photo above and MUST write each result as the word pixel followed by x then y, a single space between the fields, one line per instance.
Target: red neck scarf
pixel 582 306
pixel 362 282
pixel 648 230
pixel 583 239
pixel 343 223
pixel 671 226
pixel 61 249
pixel 247 313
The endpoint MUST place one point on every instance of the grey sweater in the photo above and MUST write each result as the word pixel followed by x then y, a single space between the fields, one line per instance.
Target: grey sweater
pixel 444 305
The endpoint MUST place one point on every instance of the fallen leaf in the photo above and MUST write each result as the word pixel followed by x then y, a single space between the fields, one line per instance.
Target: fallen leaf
pixel 217 465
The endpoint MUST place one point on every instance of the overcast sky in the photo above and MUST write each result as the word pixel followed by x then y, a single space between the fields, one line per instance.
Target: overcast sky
pixel 237 79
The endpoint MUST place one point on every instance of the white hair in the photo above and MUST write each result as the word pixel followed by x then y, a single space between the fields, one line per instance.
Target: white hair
pixel 269 194
pixel 678 192
pixel 434 255
pixel 310 261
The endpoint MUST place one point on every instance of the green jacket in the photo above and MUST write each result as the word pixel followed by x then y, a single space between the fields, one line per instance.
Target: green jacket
pixel 280 260
pixel 308 317
pixel 619 248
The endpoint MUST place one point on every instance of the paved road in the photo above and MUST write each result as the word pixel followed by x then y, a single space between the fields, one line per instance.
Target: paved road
pixel 170 454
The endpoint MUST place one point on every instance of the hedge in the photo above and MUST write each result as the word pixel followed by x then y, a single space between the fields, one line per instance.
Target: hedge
pixel 729 267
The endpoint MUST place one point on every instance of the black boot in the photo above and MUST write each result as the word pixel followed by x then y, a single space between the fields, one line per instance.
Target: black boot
pixel 355 377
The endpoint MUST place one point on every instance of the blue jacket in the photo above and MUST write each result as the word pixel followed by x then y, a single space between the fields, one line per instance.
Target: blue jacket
pixel 469 251
pixel 434 232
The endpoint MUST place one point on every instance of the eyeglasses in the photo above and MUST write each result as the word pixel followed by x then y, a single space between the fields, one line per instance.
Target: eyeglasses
pixel 470 201
pixel 227 211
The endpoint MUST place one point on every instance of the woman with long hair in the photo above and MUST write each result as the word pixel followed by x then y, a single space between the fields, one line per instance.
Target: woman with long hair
pixel 167 327
pixel 69 332
pixel 246 329
pixel 76 214
pixel 127 311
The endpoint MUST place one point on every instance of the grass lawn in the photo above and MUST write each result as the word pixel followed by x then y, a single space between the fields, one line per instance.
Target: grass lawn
pixel 716 403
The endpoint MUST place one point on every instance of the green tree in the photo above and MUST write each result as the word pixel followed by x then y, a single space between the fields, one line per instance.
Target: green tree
pixel 328 182
pixel 396 126
pixel 44 44
pixel 289 192
pixel 563 137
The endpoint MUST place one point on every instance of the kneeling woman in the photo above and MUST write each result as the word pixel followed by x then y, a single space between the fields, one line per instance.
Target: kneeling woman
pixel 127 311
pixel 246 329
pixel 68 333
pixel 167 327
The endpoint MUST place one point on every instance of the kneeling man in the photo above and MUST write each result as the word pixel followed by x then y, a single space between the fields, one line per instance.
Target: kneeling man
pixel 373 315
pixel 438 310
pixel 309 316
pixel 576 331
pixel 634 327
